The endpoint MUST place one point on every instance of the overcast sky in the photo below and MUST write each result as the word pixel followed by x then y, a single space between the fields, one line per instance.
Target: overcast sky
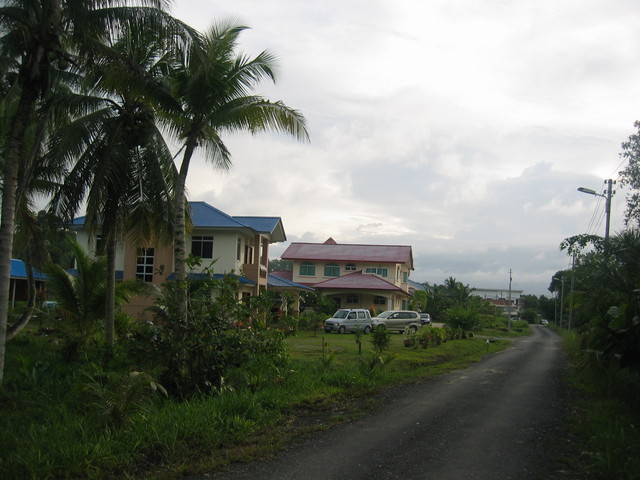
pixel 459 127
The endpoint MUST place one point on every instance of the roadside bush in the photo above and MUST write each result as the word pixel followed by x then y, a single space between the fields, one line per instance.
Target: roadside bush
pixel 424 336
pixel 490 321
pixel 464 318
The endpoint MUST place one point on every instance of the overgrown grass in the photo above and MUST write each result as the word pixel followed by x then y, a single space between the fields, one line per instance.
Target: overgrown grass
pixel 51 427
pixel 606 419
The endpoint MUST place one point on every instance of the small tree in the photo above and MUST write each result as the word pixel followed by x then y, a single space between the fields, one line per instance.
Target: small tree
pixel 380 339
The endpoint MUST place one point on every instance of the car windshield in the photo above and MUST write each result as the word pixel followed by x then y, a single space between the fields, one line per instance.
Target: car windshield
pixel 341 314
pixel 385 314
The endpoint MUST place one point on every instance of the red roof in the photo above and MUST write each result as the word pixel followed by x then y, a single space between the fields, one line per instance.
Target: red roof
pixel 358 281
pixel 335 252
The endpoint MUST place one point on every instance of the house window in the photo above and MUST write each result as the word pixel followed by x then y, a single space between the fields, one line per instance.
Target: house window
pixel 378 300
pixel 99 244
pixel 405 277
pixel 350 267
pixel 383 272
pixel 202 247
pixel 144 264
pixel 239 249
pixel 307 269
pixel 331 270
pixel 352 299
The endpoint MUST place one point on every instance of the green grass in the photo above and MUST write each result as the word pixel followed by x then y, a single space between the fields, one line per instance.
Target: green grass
pixel 50 427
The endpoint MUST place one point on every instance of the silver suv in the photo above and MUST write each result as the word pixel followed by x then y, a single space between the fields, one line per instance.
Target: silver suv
pixel 398 320
pixel 349 320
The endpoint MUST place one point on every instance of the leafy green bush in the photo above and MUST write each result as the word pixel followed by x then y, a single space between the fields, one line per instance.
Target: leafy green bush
pixel 464 318
pixel 219 334
pixel 380 339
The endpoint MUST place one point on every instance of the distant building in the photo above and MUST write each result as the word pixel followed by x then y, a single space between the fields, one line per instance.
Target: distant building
pixel 500 298
pixel 354 275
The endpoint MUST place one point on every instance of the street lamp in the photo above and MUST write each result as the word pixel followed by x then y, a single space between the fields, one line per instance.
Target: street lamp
pixel 561 279
pixel 607 205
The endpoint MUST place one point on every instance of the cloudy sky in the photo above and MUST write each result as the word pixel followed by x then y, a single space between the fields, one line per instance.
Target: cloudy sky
pixel 460 127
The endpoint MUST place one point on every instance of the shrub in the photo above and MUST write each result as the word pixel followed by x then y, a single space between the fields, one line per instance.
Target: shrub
pixel 380 339
pixel 219 334
pixel 424 336
pixel 466 319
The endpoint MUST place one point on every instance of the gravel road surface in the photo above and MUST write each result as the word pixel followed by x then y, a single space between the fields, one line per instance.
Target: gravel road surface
pixel 498 419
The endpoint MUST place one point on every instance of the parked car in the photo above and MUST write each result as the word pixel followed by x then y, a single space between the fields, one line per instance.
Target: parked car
pixel 398 320
pixel 425 319
pixel 544 322
pixel 349 320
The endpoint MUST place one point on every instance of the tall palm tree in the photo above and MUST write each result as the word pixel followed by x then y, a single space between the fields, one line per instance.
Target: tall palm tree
pixel 37 39
pixel 122 163
pixel 213 84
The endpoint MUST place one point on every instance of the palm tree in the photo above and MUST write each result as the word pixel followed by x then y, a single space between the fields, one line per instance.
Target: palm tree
pixel 38 38
pixel 213 85
pixel 80 296
pixel 122 163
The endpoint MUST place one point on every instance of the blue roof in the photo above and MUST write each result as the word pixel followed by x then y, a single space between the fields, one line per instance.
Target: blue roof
pixel 260 224
pixel 274 281
pixel 416 285
pixel 19 270
pixel 205 215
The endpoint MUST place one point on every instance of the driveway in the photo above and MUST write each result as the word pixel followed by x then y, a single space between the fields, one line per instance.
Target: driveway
pixel 498 419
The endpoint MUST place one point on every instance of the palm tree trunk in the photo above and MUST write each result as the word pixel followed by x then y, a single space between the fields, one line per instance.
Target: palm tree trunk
pixel 17 327
pixel 7 223
pixel 110 295
pixel 179 236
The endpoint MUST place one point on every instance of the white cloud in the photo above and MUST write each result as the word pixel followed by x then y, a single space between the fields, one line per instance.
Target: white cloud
pixel 458 127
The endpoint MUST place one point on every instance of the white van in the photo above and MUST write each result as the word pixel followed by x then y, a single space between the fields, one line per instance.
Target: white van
pixel 349 320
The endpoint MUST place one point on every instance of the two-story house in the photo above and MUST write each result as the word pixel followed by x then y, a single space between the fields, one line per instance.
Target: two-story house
pixel 354 275
pixel 226 244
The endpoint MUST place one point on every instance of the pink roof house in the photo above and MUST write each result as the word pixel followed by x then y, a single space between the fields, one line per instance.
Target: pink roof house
pixel 355 275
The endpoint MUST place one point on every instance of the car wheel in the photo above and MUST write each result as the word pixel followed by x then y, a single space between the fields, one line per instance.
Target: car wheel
pixel 413 328
pixel 367 330
pixel 341 329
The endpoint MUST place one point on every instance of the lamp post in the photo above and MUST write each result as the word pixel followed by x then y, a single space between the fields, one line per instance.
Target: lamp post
pixel 607 206
pixel 561 296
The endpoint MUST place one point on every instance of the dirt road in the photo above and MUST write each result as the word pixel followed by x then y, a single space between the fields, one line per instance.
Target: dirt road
pixel 495 420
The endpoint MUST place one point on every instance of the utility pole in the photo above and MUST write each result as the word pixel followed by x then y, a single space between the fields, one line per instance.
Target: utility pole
pixel 607 211
pixel 573 278
pixel 509 309
pixel 561 298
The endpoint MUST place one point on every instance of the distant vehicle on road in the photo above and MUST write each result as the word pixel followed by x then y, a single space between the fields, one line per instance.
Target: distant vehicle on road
pixel 544 322
pixel 425 318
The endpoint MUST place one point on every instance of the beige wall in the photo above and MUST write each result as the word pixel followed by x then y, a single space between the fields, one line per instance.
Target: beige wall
pixel 225 260
pixel 395 272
